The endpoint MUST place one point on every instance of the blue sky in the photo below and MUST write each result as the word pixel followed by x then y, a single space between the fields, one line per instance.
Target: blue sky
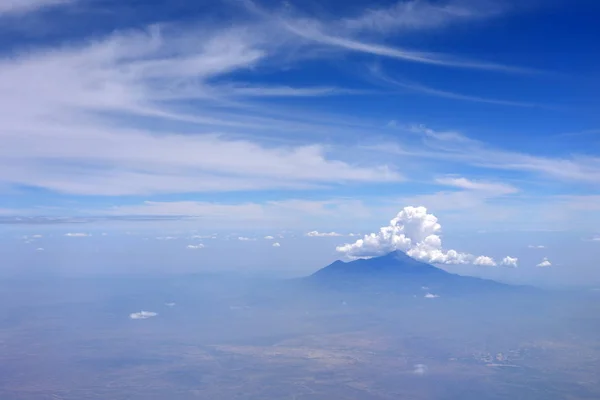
pixel 301 116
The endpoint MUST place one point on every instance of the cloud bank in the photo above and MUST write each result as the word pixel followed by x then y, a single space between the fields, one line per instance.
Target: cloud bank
pixel 415 232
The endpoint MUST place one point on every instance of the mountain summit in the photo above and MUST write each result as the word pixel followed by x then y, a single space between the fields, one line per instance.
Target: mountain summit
pixel 398 272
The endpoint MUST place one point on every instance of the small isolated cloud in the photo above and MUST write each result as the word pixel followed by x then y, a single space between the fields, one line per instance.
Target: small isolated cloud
pixel 213 236
pixel 415 232
pixel 269 238
pixel 78 234
pixel 323 234
pixel 510 261
pixel 142 315
pixel 431 296
pixel 246 239
pixel 166 237
pixel 485 261
pixel 104 234
pixel 533 246
pixel 39 249
pixel 170 304
pixel 596 239
pixel 276 244
pixel 420 369
pixel 545 263
pixel 36 236
pixel 195 246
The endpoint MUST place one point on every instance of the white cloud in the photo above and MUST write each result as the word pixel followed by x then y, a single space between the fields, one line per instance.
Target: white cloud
pixel 485 261
pixel 323 234
pixel 78 234
pixel 276 244
pixel 420 15
pixel 269 238
pixel 66 98
pixel 170 304
pixel 596 239
pixel 431 296
pixel 16 7
pixel 39 249
pixel 166 238
pixel 246 239
pixel 142 315
pixel 545 263
pixel 539 246
pixel 481 186
pixel 415 232
pixel 510 261
pixel 195 246
pixel 37 236
pixel 420 369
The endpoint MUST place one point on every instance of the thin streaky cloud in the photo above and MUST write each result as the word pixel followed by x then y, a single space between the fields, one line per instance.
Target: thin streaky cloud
pixel 20 7
pixel 419 88
pixel 421 15
pixel 311 29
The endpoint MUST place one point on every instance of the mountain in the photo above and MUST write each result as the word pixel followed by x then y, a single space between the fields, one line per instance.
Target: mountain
pixel 397 272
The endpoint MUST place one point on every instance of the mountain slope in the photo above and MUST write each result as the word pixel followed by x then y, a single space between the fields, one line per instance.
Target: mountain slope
pixel 398 272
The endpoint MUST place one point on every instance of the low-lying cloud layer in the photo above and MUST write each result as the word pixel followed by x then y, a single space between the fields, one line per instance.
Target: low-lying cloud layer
pixel 323 234
pixel 415 232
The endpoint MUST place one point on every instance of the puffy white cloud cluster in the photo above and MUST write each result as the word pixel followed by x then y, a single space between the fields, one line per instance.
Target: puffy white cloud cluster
pixel 142 315
pixel 269 237
pixel 276 244
pixel 195 246
pixel 510 261
pixel 323 234
pixel 78 234
pixel 431 296
pixel 545 263
pixel 415 232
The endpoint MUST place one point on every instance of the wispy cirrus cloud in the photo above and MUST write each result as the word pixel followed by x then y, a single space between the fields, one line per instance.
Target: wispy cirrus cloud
pixel 413 15
pixel 73 101
pixel 420 88
pixel 20 7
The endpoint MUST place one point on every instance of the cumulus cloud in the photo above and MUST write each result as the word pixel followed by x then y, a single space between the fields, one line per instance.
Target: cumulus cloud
pixel 142 315
pixel 78 234
pixel 415 232
pixel 269 238
pixel 545 263
pixel 245 239
pixel 36 236
pixel 510 261
pixel 276 244
pixel 485 261
pixel 166 238
pixel 195 246
pixel 323 234
pixel 39 249
pixel 539 246
pixel 170 304
pixel 431 296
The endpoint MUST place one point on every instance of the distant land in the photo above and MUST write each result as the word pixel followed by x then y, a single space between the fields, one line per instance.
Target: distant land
pixel 398 272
